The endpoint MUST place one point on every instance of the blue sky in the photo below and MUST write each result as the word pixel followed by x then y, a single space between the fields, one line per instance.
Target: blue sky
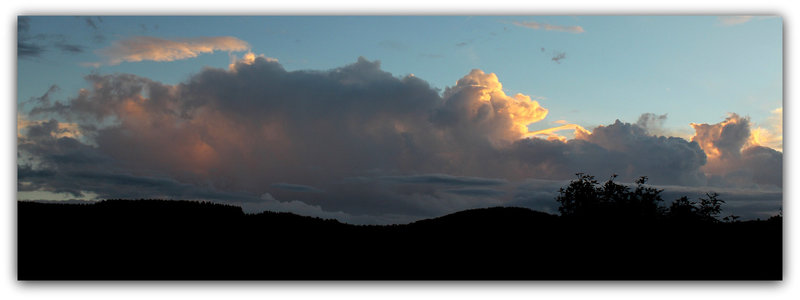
pixel 692 68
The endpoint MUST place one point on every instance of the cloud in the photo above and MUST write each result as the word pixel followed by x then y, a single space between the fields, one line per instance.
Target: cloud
pixel 771 136
pixel 733 20
pixel 477 107
pixel 91 22
pixel 296 187
pixel 32 128
pixel 69 48
pixel 248 59
pixel 620 148
pixel 558 56
pixel 25 47
pixel 445 179
pixel 34 46
pixel 475 192
pixel 29 50
pixel 143 48
pixel 548 27
pixel 382 148
pixel 652 123
pixel 725 139
pixel 550 133
pixel 733 158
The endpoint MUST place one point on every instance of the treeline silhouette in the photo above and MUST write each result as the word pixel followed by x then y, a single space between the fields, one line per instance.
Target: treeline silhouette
pixel 585 199
pixel 605 232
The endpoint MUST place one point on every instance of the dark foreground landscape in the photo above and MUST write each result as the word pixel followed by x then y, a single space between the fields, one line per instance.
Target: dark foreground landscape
pixel 182 240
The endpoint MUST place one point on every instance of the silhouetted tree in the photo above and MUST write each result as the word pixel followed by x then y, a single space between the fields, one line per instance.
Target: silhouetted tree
pixel 682 209
pixel 709 207
pixel 585 197
pixel 579 197
pixel 706 210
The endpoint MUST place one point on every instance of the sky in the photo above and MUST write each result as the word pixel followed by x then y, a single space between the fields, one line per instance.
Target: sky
pixel 390 119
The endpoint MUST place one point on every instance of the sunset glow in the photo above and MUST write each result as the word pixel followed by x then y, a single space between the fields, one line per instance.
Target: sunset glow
pixel 388 119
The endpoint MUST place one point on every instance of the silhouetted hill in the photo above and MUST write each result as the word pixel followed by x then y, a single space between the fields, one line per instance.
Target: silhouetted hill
pixel 494 217
pixel 156 240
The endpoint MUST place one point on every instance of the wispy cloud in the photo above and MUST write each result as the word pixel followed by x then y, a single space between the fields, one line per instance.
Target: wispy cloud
pixel 558 56
pixel 91 22
pixel 143 48
pixel 34 46
pixel 733 20
pixel 549 27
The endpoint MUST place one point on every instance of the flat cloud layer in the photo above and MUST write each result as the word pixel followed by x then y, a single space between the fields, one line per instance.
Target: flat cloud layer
pixel 353 143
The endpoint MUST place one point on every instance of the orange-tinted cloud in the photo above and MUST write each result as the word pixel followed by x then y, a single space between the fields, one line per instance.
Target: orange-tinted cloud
pixel 550 133
pixel 478 104
pixel 256 129
pixel 724 139
pixel 734 155
pixel 772 134
pixel 248 59
pixel 70 130
pixel 143 48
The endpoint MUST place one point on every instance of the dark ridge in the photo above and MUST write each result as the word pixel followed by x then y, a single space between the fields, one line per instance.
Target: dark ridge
pixel 186 240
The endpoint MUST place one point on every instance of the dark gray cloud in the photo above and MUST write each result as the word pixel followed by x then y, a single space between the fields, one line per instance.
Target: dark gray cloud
pixel 475 192
pixel 92 21
pixel 620 148
pixel 445 179
pixel 26 47
pixel 69 48
pixel 45 99
pixel 33 46
pixel 94 24
pixel 748 204
pixel 382 148
pixel 558 56
pixel 29 50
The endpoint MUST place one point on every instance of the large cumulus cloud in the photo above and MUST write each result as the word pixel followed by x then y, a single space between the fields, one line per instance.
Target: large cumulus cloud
pixel 355 143
pixel 735 158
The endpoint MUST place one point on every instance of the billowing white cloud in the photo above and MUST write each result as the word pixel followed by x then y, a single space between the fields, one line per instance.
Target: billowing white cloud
pixel 142 48
pixel 477 106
